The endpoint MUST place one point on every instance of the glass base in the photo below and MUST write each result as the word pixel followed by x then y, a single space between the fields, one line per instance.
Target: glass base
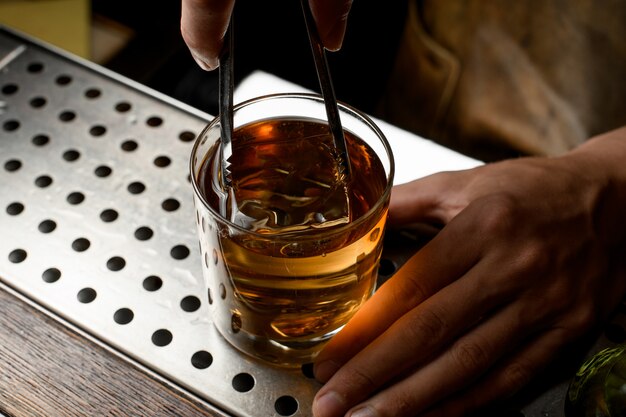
pixel 289 354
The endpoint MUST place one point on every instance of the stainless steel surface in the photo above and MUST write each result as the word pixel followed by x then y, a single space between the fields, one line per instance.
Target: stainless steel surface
pixel 226 80
pixel 97 226
pixel 95 200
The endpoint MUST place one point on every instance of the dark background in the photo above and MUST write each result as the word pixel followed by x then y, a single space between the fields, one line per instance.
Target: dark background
pixel 269 35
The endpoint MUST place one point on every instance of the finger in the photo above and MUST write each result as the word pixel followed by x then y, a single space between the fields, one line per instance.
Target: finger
pixel 507 379
pixel 203 24
pixel 447 256
pixel 435 198
pixel 418 336
pixel 331 17
pixel 458 367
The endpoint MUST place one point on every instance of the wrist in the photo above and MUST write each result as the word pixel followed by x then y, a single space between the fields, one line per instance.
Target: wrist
pixel 601 163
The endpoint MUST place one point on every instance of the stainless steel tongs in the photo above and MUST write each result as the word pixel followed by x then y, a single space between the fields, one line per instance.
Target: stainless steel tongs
pixel 328 92
pixel 326 85
pixel 226 84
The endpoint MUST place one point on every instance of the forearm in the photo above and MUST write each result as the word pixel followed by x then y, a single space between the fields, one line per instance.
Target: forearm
pixel 602 160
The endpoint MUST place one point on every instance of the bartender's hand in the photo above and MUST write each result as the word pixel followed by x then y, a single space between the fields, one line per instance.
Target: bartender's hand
pixel 531 257
pixel 204 22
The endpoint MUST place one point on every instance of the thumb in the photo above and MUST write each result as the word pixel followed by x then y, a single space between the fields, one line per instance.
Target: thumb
pixel 433 199
pixel 203 24
pixel 331 17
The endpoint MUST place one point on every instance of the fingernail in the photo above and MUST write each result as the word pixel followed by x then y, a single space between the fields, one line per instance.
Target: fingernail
pixel 364 412
pixel 204 64
pixel 330 404
pixel 324 370
pixel 334 39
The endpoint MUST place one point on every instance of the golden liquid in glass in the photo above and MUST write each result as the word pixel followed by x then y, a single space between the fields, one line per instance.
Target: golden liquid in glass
pixel 312 259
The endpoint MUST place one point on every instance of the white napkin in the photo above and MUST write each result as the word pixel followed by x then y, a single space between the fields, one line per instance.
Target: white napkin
pixel 414 156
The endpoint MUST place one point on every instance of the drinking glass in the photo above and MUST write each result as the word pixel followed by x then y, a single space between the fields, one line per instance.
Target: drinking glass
pixel 279 288
pixel 599 387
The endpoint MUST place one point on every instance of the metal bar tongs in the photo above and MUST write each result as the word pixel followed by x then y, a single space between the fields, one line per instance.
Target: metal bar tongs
pixel 328 93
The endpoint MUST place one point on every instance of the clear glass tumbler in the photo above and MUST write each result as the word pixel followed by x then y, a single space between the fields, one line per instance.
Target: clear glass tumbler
pixel 291 251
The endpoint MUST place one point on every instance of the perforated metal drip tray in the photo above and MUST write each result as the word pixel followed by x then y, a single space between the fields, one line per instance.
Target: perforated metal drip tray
pixel 98 226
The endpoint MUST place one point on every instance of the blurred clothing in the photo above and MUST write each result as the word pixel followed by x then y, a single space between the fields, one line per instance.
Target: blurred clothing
pixel 496 79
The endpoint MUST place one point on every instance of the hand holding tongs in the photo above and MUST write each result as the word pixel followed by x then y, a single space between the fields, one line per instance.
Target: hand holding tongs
pixel 328 93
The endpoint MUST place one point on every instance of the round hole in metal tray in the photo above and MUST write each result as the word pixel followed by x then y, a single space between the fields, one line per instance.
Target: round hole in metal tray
pixel 286 405
pixel 103 171
pixel 67 116
pixel 75 197
pixel 162 337
pixel 43 181
pixel 162 161
pixel 38 102
pixel 93 93
pixel 40 140
pixel 307 370
pixel 17 255
pixel 11 125
pixel 51 275
pixel 129 145
pixel 136 187
pixel 186 136
pixel 201 359
pixel 143 233
pixel 35 67
pixel 97 130
pixel 63 80
pixel 123 316
pixel 108 215
pixel 12 165
pixel 71 155
pixel 386 267
pixel 116 263
pixel 243 382
pixel 81 244
pixel 47 226
pixel 190 303
pixel 179 252
pixel 152 283
pixel 154 121
pixel 123 106
pixel 86 295
pixel 170 204
pixel 9 89
pixel 15 208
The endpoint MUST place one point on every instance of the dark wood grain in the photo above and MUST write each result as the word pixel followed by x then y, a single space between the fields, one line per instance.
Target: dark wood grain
pixel 47 369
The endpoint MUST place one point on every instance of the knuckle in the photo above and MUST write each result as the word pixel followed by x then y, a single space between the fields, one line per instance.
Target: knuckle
pixel 470 356
pixel 412 291
pixel 515 376
pixel 357 381
pixel 501 211
pixel 534 256
pixel 427 327
pixel 583 317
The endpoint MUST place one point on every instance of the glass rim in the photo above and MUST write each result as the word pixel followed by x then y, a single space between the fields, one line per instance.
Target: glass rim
pixel 333 230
